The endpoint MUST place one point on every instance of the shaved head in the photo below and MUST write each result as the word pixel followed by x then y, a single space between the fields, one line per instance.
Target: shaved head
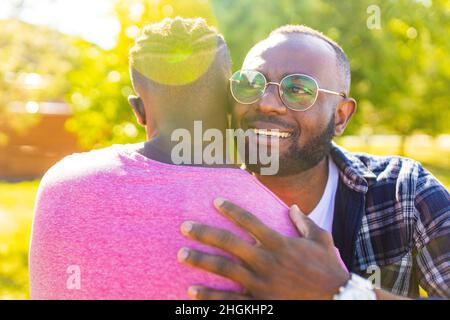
pixel 342 62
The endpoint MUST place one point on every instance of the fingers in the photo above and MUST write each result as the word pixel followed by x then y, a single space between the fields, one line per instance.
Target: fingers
pixel 248 222
pixel 216 264
pixel 221 239
pixel 204 293
pixel 307 228
pixel 298 218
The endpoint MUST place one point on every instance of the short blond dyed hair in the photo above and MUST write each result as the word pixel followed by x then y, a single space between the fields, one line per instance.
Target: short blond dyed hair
pixel 176 51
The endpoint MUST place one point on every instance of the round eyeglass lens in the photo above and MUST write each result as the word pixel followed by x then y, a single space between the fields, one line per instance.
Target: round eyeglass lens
pixel 298 92
pixel 247 86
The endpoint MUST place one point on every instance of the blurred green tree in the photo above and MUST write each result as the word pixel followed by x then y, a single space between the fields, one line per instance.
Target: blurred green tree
pixel 34 63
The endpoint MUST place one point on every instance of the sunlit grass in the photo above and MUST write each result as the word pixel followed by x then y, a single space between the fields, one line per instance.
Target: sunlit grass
pixel 17 199
pixel 16 210
pixel 433 154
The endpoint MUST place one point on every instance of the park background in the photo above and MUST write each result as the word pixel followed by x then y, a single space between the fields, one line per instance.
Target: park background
pixel 64 84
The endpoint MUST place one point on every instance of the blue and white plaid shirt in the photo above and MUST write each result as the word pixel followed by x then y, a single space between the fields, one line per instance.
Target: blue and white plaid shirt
pixel 392 217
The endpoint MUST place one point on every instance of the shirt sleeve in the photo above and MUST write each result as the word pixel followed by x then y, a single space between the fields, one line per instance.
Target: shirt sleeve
pixel 432 235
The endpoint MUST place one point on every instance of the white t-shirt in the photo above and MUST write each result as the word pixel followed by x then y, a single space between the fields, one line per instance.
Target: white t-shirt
pixel 323 213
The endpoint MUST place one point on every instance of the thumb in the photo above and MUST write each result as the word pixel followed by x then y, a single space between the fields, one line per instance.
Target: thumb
pixel 306 227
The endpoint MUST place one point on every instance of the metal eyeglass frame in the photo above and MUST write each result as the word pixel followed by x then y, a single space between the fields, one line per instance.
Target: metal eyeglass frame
pixel 342 94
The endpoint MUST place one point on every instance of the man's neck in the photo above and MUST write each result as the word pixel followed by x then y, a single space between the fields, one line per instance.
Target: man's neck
pixel 160 146
pixel 304 189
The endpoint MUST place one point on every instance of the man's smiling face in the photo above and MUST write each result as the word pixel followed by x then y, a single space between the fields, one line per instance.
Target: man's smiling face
pixel 306 135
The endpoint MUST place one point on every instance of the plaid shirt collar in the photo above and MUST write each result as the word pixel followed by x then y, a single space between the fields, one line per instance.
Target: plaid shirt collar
pixel 353 171
pixel 392 214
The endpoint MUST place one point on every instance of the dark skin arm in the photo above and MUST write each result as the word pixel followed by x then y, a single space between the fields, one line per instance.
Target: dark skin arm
pixel 277 267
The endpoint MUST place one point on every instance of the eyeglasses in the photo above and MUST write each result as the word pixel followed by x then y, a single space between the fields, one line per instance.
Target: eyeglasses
pixel 298 92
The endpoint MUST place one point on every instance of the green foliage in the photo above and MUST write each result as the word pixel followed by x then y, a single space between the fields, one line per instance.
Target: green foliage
pixel 32 49
pixel 28 71
pixel 98 95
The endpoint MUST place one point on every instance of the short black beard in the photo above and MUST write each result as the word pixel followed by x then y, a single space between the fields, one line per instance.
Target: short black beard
pixel 299 159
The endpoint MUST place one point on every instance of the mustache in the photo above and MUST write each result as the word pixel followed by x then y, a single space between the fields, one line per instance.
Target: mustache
pixel 268 119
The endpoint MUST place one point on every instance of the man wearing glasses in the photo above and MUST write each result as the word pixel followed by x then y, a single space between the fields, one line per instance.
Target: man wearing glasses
pixel 386 215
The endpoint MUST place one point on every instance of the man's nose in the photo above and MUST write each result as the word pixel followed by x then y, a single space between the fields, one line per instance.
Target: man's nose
pixel 270 102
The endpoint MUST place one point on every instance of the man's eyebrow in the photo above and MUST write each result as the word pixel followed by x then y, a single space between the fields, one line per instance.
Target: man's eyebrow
pixel 261 71
pixel 283 75
pixel 297 72
pixel 270 79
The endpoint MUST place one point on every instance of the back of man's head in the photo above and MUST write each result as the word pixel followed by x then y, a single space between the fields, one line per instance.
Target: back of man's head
pixel 179 69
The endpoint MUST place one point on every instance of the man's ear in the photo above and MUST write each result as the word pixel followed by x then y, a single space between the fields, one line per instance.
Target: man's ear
pixel 343 113
pixel 138 107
